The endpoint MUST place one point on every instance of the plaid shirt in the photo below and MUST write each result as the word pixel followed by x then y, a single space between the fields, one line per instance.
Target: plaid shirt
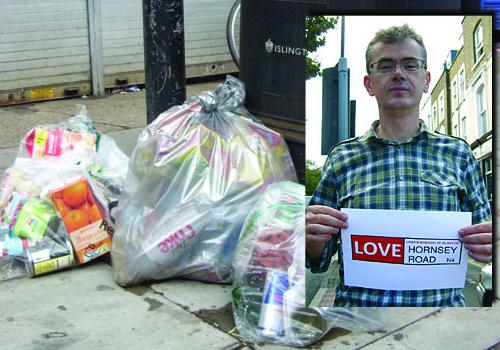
pixel 429 171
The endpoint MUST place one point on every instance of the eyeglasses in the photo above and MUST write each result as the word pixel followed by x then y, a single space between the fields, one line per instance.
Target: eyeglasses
pixel 387 66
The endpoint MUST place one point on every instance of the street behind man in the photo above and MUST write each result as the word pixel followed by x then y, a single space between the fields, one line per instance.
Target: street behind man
pixel 398 164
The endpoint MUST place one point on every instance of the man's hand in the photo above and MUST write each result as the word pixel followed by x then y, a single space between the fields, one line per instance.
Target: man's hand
pixel 478 240
pixel 321 223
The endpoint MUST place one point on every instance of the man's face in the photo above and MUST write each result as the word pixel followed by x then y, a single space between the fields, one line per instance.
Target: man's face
pixel 397 90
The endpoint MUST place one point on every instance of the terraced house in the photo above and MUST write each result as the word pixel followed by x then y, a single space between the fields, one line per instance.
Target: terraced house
pixel 461 103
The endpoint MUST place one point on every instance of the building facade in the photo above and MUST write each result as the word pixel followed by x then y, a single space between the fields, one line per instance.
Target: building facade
pixel 461 102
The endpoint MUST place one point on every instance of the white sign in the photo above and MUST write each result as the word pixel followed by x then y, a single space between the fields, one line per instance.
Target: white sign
pixel 404 250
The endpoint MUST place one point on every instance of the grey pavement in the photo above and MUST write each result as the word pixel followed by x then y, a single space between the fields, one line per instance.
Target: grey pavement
pixel 320 287
pixel 84 308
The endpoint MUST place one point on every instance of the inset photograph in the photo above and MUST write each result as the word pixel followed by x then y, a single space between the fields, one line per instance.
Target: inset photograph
pixel 400 183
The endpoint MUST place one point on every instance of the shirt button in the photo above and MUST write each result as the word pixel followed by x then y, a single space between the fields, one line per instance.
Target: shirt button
pixel 401 177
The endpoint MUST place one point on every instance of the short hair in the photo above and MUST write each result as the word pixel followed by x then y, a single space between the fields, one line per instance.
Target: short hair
pixel 392 35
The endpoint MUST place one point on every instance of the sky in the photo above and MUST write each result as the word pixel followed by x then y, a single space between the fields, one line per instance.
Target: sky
pixel 440 34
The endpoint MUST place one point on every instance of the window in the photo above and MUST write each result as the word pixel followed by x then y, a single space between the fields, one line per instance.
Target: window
pixel 441 107
pixel 455 130
pixel 461 85
pixel 488 176
pixel 434 118
pixel 478 42
pixel 481 111
pixel 463 128
pixel 454 101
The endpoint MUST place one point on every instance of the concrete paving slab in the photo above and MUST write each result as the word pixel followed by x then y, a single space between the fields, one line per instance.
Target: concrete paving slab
pixel 16 121
pixel 126 139
pixel 7 157
pixel 391 319
pixel 449 328
pixel 195 295
pixel 209 302
pixel 325 296
pixel 83 308
pixel 419 328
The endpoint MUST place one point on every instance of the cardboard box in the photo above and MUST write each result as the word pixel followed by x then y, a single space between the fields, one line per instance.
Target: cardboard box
pixel 83 219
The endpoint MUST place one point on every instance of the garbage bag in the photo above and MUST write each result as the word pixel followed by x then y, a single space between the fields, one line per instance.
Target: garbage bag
pixel 33 223
pixel 56 199
pixel 269 277
pixel 73 140
pixel 195 173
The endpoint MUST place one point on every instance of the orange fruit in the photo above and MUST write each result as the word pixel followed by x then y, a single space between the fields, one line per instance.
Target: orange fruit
pixel 90 197
pixel 94 213
pixel 75 219
pixel 75 194
pixel 61 207
pixel 85 206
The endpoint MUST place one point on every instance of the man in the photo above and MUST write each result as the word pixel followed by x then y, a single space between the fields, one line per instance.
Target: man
pixel 397 164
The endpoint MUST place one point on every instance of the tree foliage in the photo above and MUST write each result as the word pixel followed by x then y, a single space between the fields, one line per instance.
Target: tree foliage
pixel 313 175
pixel 316 27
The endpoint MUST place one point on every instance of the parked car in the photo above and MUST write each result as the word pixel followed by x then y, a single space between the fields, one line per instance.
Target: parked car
pixel 484 285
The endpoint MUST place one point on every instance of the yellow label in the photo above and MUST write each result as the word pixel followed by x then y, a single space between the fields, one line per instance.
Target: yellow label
pixel 38 94
pixel 41 137
pixel 53 264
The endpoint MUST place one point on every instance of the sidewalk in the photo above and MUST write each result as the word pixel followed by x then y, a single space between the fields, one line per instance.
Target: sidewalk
pixel 323 284
pixel 84 308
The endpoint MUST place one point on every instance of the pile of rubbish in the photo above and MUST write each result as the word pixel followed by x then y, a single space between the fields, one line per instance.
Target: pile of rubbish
pixel 56 200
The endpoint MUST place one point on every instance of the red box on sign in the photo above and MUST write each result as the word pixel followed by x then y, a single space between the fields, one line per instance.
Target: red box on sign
pixel 378 249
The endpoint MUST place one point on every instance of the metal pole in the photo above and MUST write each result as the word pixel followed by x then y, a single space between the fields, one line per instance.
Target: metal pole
pixel 343 91
pixel 164 59
pixel 342 31
pixel 95 41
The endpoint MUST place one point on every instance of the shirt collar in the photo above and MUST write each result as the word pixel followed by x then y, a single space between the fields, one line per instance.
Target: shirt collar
pixel 371 134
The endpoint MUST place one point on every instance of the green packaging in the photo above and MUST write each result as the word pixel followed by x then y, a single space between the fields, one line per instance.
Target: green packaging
pixel 35 216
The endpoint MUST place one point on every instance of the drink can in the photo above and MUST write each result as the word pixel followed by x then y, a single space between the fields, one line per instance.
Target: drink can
pixel 53 252
pixel 271 314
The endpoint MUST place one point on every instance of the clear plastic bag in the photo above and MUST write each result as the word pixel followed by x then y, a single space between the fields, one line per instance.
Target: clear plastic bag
pixel 73 141
pixel 56 199
pixel 12 254
pixel 195 173
pixel 269 277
